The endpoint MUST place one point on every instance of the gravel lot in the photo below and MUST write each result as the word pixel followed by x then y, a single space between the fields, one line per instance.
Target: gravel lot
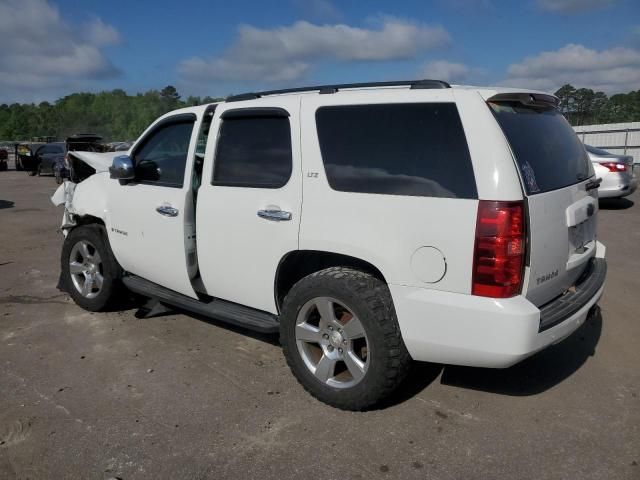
pixel 108 395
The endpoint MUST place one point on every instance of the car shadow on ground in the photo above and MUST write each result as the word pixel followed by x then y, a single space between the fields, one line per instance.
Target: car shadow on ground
pixel 535 374
pixel 615 203
pixel 6 204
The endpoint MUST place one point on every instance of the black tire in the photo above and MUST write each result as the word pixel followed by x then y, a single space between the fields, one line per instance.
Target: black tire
pixel 111 271
pixel 370 301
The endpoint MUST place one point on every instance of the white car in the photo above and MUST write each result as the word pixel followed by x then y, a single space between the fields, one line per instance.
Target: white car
pixel 615 171
pixel 370 224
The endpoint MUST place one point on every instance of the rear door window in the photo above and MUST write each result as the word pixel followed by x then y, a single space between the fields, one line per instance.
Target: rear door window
pixel 415 149
pixel 254 152
pixel 548 152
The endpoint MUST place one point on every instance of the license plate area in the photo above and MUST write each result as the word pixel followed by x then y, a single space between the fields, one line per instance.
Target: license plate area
pixel 578 237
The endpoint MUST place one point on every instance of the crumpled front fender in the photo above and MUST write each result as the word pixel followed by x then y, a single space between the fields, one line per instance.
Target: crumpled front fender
pixel 86 198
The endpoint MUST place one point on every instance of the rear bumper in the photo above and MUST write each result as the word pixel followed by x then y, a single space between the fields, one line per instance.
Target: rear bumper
pixel 458 329
pixel 617 185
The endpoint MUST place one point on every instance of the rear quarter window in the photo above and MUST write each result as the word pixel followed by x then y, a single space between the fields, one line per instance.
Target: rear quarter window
pixel 415 149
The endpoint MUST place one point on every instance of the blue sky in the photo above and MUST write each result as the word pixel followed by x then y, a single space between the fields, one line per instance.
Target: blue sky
pixel 56 47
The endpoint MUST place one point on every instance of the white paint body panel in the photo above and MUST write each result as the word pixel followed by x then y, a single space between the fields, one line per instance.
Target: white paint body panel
pixel 384 230
pixel 153 246
pixel 457 329
pixel 238 251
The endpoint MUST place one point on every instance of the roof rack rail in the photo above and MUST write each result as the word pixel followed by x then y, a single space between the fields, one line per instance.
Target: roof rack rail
pixel 328 89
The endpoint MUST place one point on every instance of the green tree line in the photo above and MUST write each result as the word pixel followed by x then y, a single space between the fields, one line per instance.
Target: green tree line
pixel 583 106
pixel 114 115
pixel 118 116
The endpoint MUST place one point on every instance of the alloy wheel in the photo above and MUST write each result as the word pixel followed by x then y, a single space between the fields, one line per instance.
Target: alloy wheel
pixel 332 342
pixel 85 267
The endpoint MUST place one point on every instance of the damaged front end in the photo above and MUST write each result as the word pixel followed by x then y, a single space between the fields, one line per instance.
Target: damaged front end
pixel 85 193
pixel 64 196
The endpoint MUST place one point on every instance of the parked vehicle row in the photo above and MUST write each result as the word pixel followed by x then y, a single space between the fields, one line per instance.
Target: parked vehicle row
pixel 48 157
pixel 440 223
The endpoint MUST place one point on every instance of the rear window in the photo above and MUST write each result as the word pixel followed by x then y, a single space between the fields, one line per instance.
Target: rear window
pixel 416 149
pixel 548 152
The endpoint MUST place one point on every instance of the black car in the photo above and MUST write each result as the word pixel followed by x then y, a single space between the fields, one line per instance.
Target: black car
pixel 47 157
pixel 50 158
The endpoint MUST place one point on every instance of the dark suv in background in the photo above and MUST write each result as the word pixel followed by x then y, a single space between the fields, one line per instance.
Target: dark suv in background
pixel 49 158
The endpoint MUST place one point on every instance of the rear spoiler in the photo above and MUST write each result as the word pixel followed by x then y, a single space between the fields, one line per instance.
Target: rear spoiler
pixel 533 100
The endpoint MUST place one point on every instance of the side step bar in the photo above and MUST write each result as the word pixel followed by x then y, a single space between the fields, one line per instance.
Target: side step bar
pixel 221 310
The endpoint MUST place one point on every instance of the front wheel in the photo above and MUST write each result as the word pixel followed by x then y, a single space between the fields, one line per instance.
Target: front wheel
pixel 341 339
pixel 90 272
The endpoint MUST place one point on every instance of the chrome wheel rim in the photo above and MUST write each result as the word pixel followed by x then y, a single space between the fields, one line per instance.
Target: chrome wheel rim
pixel 85 267
pixel 332 342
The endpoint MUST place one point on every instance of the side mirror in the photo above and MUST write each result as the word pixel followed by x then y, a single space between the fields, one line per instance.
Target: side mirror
pixel 122 168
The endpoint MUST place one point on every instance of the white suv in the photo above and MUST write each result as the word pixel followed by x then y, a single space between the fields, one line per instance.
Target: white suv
pixel 370 224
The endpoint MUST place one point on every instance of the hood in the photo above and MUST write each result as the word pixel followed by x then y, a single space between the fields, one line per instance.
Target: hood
pixel 99 161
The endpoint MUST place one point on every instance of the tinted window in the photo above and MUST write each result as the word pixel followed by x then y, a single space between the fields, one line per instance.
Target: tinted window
pixel 253 152
pixel 51 149
pixel 547 150
pixel 396 149
pixel 162 158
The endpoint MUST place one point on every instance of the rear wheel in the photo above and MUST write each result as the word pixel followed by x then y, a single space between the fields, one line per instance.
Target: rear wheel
pixel 90 273
pixel 341 339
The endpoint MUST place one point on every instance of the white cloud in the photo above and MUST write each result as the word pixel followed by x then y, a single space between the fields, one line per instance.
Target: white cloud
pixel 40 53
pixel 573 6
pixel 444 70
pixel 613 70
pixel 100 34
pixel 286 53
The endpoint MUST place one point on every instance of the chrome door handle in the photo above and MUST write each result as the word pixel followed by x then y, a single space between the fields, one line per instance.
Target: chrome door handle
pixel 167 211
pixel 274 215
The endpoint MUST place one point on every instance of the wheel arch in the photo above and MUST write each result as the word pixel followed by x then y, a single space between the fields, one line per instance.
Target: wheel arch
pixel 297 264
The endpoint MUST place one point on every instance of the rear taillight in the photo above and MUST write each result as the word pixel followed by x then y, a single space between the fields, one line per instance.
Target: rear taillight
pixel 614 166
pixel 498 257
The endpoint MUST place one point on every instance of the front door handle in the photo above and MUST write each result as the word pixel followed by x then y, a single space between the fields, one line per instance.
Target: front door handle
pixel 275 215
pixel 167 211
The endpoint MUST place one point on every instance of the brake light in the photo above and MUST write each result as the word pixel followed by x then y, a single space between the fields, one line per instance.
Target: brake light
pixel 498 258
pixel 614 166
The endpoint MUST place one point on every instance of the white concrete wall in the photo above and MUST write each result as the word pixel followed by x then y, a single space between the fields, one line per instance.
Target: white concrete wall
pixel 608 140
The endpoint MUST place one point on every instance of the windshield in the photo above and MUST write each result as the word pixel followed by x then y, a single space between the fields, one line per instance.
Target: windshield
pixel 548 152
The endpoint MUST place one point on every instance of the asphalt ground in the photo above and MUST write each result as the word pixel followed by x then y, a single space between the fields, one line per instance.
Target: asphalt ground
pixel 108 395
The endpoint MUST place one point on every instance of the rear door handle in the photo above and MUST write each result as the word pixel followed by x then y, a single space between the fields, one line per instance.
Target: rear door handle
pixel 275 215
pixel 167 211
